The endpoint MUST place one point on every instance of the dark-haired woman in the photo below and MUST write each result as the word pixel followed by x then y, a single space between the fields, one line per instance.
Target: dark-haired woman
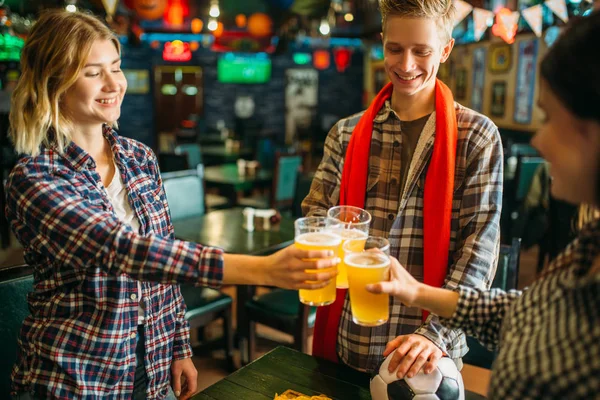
pixel 548 336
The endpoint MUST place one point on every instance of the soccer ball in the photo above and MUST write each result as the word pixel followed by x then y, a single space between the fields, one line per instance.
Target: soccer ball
pixel 443 383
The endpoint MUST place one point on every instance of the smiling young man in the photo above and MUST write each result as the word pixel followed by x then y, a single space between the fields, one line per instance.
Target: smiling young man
pixel 430 173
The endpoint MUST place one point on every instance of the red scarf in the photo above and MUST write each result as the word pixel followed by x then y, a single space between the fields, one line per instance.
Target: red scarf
pixel 437 207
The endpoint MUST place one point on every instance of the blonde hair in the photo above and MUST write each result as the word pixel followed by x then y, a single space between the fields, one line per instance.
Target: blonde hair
pixel 55 52
pixel 442 11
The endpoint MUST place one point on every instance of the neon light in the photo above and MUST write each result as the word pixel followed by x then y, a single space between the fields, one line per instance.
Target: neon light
pixel 177 51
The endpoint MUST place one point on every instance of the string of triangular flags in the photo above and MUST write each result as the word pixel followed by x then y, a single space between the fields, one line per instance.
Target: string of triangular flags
pixel 507 30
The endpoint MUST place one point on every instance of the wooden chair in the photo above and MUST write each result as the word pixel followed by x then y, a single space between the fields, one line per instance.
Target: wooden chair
pixel 210 201
pixel 506 278
pixel 15 283
pixel 285 177
pixel 515 193
pixel 185 196
pixel 279 309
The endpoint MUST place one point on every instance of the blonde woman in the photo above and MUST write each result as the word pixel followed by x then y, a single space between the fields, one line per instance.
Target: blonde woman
pixel 548 336
pixel 89 208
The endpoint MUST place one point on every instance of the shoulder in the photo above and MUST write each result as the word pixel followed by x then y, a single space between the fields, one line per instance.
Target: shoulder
pixel 351 121
pixel 139 151
pixel 46 164
pixel 344 127
pixel 477 129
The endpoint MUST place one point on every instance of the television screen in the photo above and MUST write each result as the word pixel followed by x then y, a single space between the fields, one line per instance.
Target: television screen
pixel 236 68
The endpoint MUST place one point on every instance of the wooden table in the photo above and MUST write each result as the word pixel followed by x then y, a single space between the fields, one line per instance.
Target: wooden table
pixel 283 369
pixel 220 154
pixel 231 183
pixel 223 228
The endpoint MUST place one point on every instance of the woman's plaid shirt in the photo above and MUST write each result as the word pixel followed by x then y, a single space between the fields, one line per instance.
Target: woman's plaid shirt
pixel 475 235
pixel 547 337
pixel 80 339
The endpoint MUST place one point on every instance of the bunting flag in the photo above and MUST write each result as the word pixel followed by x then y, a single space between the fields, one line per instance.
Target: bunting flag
pixel 462 10
pixel 110 6
pixel 558 7
pixel 510 22
pixel 482 19
pixel 533 16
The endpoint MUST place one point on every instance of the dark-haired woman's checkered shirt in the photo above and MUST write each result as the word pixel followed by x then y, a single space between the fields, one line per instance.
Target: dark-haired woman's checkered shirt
pixel 547 337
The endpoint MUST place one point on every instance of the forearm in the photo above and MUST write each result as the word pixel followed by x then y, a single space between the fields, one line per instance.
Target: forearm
pixel 244 270
pixel 438 301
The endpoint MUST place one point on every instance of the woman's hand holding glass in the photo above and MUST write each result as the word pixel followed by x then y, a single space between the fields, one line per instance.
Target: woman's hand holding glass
pixel 402 285
pixel 287 268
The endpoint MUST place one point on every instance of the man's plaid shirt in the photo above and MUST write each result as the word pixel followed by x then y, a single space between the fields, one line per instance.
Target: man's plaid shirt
pixel 80 339
pixel 475 236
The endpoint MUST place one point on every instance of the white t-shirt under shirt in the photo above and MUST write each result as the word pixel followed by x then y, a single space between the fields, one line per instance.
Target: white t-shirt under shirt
pixel 117 194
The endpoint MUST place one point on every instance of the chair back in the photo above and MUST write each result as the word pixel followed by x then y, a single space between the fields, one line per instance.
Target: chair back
pixel 265 148
pixel 287 167
pixel 507 272
pixel 526 168
pixel 193 153
pixel 185 192
pixel 15 283
pixel 169 162
pixel 506 278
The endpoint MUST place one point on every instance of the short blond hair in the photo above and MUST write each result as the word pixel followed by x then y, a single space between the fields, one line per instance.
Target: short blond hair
pixel 442 11
pixel 55 52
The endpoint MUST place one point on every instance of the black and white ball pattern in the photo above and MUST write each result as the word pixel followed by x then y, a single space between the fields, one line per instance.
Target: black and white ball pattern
pixel 444 383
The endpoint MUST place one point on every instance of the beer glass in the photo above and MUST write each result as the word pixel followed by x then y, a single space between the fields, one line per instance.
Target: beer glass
pixel 355 226
pixel 367 262
pixel 318 233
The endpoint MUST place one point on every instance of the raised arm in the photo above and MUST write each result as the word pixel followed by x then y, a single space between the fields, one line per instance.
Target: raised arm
pixel 477 312
pixel 53 219
pixel 478 238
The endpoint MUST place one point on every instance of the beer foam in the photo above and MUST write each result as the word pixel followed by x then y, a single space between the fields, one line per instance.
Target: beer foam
pixel 328 239
pixel 352 234
pixel 367 259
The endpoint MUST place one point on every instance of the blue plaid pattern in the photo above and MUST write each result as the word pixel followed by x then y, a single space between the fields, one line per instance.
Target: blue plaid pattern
pixel 80 339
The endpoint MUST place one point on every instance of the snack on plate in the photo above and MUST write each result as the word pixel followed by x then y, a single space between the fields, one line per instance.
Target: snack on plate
pixel 293 395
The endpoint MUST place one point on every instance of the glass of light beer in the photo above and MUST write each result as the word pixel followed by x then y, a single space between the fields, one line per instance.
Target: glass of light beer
pixel 318 233
pixel 355 225
pixel 367 262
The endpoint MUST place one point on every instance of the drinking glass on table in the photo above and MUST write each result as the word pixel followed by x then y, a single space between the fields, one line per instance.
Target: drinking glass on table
pixel 367 262
pixel 355 225
pixel 318 233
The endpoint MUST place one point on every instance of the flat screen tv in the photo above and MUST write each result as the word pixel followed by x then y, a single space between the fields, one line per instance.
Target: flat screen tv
pixel 238 68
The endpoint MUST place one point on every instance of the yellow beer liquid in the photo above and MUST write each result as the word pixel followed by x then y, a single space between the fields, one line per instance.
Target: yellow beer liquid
pixel 318 241
pixel 359 245
pixel 363 268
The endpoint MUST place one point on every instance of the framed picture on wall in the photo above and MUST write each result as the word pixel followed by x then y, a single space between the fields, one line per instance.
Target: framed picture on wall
pixel 500 58
pixel 479 56
pixel 526 70
pixel 498 99
pixel 461 83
